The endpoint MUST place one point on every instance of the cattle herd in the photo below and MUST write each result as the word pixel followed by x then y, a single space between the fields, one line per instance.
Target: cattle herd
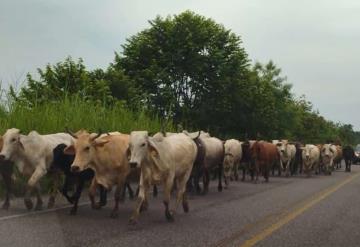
pixel 182 162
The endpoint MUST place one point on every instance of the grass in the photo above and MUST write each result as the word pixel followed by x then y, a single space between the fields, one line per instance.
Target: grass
pixel 75 114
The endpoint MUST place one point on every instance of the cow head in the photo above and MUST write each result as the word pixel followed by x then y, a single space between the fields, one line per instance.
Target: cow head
pixel 328 151
pixel 10 144
pixel 140 146
pixel 306 152
pixel 84 148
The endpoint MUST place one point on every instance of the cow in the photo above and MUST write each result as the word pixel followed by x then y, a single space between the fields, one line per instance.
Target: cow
pixel 265 155
pixel 298 163
pixel 276 165
pixel 233 155
pixel 161 160
pixel 287 152
pixel 62 162
pixel 328 154
pixel 247 163
pixel 32 154
pixel 339 156
pixel 213 160
pixel 106 155
pixel 349 156
pixel 310 158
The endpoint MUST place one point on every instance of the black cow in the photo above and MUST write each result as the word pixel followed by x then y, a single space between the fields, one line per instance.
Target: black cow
pixel 6 170
pixel 198 168
pixel 247 162
pixel 297 167
pixel 63 162
pixel 349 156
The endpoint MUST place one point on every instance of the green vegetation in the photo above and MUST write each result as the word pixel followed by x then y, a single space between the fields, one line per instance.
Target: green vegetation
pixel 187 69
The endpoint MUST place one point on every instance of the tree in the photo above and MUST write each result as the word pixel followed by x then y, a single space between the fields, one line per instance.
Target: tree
pixel 65 79
pixel 188 68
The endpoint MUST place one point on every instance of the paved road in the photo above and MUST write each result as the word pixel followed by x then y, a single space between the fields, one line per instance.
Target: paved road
pixel 317 211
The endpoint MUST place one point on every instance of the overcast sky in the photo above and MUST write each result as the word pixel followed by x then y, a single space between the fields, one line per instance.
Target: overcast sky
pixel 316 43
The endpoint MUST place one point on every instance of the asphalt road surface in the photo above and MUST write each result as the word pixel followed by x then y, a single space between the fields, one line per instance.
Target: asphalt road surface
pixel 296 211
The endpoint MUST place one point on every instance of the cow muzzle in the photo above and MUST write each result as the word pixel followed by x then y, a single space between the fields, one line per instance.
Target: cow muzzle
pixel 133 164
pixel 75 169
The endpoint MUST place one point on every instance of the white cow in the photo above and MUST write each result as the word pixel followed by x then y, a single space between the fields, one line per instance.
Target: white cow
pixel 232 158
pixel 162 160
pixel 311 158
pixel 328 154
pixel 287 153
pixel 32 154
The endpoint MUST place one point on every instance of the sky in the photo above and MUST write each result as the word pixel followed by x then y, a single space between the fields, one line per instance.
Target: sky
pixel 316 43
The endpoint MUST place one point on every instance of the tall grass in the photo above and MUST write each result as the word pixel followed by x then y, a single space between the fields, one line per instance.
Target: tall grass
pixel 75 113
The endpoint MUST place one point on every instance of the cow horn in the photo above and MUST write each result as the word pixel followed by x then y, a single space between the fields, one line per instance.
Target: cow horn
pixel 97 136
pixel 70 133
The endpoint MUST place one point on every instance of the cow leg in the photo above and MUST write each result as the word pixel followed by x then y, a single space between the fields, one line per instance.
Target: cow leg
pixel 120 188
pixel 167 193
pixel 6 172
pixel 220 169
pixel 39 172
pixel 92 194
pixel 130 190
pixel 243 168
pixel 39 201
pixel 155 190
pixel 206 181
pixel 236 171
pixel 143 189
pixel 181 194
pixel 65 190
pixel 287 173
pixel 76 196
pixel 55 177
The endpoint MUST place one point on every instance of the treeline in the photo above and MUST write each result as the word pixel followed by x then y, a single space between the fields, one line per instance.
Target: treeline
pixel 194 74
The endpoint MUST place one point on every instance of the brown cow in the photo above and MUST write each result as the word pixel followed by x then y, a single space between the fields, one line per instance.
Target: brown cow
pixel 106 155
pixel 265 154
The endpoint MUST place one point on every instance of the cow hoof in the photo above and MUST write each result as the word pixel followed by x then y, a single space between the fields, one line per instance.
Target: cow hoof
pixel 114 214
pixel 169 216
pixel 133 222
pixel 73 211
pixel 96 206
pixel 186 207
pixel 144 206
pixel 38 206
pixel 6 206
pixel 28 203
pixel 51 203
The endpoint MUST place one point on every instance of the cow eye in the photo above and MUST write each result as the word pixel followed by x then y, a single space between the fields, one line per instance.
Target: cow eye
pixel 87 148
pixel 13 140
pixel 143 145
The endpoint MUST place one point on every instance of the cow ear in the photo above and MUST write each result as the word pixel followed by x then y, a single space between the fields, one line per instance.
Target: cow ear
pixel 69 150
pixel 21 145
pixel 100 143
pixel 152 148
pixel 128 153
